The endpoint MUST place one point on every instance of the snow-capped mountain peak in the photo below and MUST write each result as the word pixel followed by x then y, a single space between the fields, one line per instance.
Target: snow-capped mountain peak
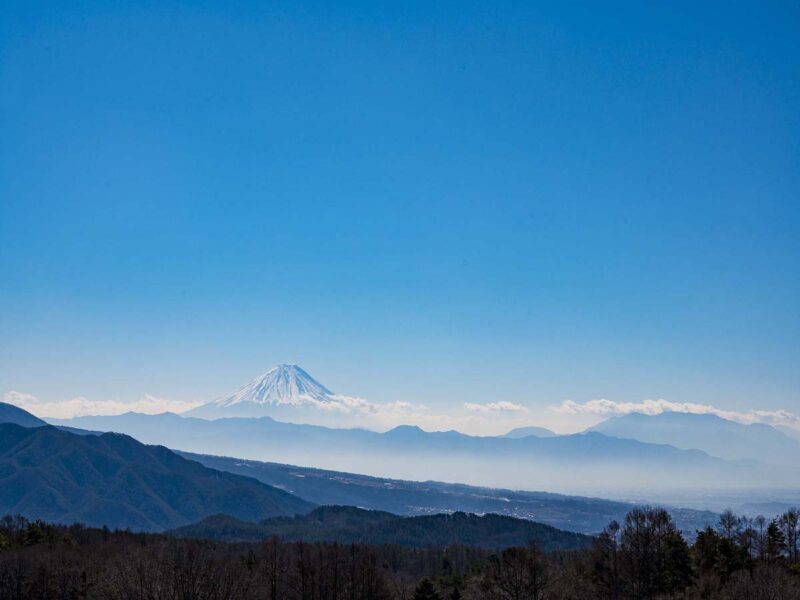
pixel 285 392
pixel 282 384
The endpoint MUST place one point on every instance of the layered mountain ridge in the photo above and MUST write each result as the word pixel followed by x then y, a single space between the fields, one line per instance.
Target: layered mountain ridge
pixel 587 464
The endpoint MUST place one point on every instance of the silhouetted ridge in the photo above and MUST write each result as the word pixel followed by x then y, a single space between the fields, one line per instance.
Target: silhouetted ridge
pixel 13 414
pixel 114 480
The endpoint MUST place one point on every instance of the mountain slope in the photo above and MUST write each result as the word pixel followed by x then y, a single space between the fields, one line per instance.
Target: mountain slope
pixel 347 525
pixel 12 414
pixel 414 498
pixel 789 431
pixel 710 433
pixel 113 480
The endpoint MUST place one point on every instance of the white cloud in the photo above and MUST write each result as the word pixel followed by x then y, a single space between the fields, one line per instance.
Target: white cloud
pixel 605 407
pixel 19 398
pixel 362 412
pixel 343 404
pixel 80 406
pixel 354 405
pixel 502 406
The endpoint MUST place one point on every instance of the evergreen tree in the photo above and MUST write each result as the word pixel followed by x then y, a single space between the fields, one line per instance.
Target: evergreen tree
pixel 731 557
pixel 706 550
pixel 676 565
pixel 776 541
pixel 426 591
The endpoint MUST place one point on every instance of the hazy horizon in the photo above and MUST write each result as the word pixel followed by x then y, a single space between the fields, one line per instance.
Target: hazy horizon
pixel 493 418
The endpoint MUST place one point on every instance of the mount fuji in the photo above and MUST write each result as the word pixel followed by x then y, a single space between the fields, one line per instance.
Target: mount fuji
pixel 285 391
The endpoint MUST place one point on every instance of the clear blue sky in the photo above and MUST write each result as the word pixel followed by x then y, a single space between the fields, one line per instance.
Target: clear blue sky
pixel 437 202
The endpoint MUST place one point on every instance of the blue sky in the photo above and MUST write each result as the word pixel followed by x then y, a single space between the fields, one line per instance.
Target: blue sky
pixel 438 203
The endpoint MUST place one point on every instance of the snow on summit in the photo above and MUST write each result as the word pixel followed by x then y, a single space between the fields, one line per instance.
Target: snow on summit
pixel 282 384
pixel 277 393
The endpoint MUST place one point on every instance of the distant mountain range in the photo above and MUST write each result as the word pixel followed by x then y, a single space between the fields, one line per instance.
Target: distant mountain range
pixel 590 464
pixel 346 524
pixel 710 433
pixel 113 480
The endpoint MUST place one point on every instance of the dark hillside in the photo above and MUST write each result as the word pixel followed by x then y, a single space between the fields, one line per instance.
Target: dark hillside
pixel 114 480
pixel 345 524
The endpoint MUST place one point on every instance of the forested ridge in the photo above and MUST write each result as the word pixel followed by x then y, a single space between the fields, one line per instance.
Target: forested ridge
pixel 641 558
pixel 112 479
pixel 347 524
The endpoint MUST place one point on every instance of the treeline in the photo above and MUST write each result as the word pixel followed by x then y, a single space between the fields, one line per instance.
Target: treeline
pixel 644 557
